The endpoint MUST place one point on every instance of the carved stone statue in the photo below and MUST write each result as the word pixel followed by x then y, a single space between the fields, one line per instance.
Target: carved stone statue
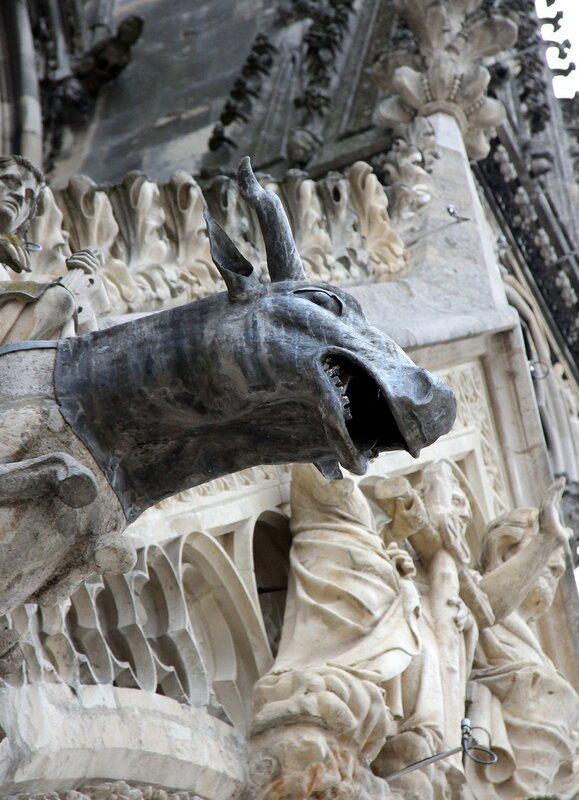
pixel 109 57
pixel 21 185
pixel 347 605
pixel 351 625
pixel 116 420
pixel 431 693
pixel 529 709
pixel 46 309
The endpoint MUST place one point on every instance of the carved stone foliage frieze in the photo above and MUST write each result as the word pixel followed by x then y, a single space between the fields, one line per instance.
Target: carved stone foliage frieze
pixel 111 790
pixel 444 73
pixel 155 246
pixel 406 169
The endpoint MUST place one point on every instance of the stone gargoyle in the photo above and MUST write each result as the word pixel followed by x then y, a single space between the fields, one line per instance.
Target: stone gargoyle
pixel 97 428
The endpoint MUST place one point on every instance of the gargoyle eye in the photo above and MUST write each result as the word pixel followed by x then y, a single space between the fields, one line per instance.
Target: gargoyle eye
pixel 322 298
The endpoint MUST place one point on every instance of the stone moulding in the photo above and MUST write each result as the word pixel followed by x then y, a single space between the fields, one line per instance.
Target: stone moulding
pixel 447 77
pixel 156 250
pixel 113 790
pixel 148 630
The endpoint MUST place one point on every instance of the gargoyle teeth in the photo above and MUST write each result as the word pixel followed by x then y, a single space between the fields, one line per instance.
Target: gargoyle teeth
pixel 340 380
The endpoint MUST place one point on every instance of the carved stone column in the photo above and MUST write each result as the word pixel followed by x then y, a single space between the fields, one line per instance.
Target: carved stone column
pixel 438 106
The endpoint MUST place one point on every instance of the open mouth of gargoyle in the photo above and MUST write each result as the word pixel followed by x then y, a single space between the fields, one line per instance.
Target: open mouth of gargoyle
pixel 365 423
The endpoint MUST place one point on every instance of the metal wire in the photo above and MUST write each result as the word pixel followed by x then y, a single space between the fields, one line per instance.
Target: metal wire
pixel 469 747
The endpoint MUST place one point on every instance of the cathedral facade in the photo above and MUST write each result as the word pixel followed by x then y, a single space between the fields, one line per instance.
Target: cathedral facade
pixel 189 607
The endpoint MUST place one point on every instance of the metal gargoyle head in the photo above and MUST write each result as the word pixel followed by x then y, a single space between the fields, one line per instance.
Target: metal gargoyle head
pixel 306 351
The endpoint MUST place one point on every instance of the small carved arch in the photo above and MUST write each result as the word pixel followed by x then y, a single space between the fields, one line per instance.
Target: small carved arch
pixel 233 645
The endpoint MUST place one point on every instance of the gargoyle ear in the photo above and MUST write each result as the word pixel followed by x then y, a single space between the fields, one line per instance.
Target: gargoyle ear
pixel 236 271
pixel 283 260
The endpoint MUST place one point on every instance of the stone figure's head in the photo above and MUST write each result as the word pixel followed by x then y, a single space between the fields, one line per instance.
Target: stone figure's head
pixel 353 391
pixel 21 186
pixel 508 535
pixel 318 503
pixel 130 29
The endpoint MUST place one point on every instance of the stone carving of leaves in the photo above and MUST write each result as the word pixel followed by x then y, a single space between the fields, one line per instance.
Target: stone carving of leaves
pixel 386 250
pixel 307 220
pixel 47 230
pixel 349 246
pixel 183 202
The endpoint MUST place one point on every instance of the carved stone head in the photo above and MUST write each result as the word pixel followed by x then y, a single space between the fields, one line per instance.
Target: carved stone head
pixel 507 536
pixel 277 372
pixel 21 185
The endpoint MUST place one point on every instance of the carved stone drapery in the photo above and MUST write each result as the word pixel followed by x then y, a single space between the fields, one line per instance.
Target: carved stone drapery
pixel 317 720
pixel 445 75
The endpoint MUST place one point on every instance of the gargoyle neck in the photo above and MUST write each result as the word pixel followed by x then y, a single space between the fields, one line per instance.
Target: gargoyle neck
pixel 146 399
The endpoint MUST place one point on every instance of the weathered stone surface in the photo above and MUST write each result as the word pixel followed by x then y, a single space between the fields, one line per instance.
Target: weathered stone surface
pixel 447 76
pixel 333 653
pixel 61 740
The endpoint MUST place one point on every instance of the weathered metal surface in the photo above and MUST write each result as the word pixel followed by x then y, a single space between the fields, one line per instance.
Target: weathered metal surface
pixel 267 373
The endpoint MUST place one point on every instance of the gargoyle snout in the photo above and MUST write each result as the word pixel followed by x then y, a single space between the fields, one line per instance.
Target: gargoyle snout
pixel 422 404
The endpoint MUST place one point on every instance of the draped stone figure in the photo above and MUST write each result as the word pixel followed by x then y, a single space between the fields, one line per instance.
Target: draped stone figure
pixel 529 709
pixel 49 307
pixel 351 625
pixel 433 518
pixel 350 602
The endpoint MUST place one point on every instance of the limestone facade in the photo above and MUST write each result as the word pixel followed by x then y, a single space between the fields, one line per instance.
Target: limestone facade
pixel 274 634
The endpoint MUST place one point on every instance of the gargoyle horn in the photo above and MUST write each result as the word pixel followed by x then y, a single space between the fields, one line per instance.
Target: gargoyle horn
pixel 236 271
pixel 283 260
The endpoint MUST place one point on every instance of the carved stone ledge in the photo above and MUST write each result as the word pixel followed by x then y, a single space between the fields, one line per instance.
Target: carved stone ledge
pixel 448 78
pixel 148 630
pixel 117 790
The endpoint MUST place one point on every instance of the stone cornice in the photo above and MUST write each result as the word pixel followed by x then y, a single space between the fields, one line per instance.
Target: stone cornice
pixel 155 245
